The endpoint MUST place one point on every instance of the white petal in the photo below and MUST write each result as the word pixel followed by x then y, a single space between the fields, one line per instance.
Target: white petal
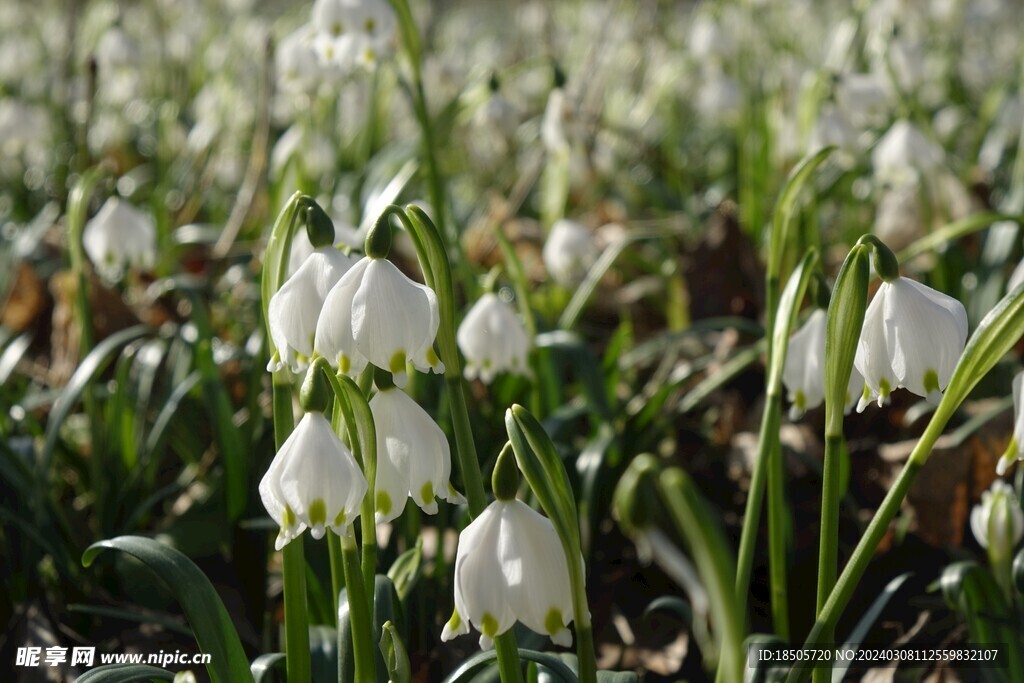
pixel 492 339
pixel 803 372
pixel 872 358
pixel 334 340
pixel 479 590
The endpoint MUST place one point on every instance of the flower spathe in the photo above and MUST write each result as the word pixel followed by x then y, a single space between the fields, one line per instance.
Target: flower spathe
pixel 413 456
pixel 1015 450
pixel 313 482
pixel 376 314
pixel 295 308
pixel 120 236
pixel 493 340
pixel 912 338
pixel 510 566
pixel 804 371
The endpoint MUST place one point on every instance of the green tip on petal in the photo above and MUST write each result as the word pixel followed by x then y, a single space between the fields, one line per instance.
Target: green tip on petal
pixel 317 513
pixel 383 502
pixel 397 362
pixel 340 520
pixel 289 518
pixel 427 492
pixel 553 622
pixel 489 625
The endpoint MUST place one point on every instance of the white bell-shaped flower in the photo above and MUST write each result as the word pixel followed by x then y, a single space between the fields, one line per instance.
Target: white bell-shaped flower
pixel 510 566
pixel 313 482
pixel 295 308
pixel 569 252
pixel 413 456
pixel 120 236
pixel 997 521
pixel 1015 450
pixel 804 371
pixel 912 338
pixel 904 154
pixel 376 314
pixel 354 33
pixel 493 340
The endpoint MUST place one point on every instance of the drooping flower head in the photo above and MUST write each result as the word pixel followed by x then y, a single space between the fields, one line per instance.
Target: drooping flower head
pixel 378 315
pixel 569 252
pixel 804 371
pixel 120 236
pixel 510 566
pixel 493 340
pixel 998 519
pixel 413 456
pixel 295 308
pixel 912 338
pixel 313 482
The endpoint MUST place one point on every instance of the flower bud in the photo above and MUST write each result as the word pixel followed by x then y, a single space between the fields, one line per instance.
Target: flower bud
pixel 319 226
pixel 505 479
pixel 315 394
pixel 378 240
pixel 634 499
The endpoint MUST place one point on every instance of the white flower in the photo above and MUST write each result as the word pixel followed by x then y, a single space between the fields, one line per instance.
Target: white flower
pixel 376 314
pixel 493 340
pixel 864 97
pixel 833 128
pixel 1015 451
pixel 295 308
pixel 120 236
pixel 898 219
pixel 297 61
pixel 912 338
pixel 510 566
pixel 904 154
pixel 552 127
pixel 804 371
pixel 569 252
pixel 313 482
pixel 997 521
pixel 354 32
pixel 413 456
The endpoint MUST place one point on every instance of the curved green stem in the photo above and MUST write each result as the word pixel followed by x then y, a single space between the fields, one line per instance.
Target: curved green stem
pixel 828 548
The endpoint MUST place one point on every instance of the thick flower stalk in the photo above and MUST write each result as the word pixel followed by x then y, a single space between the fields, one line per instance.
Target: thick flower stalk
pixel 375 314
pixel 413 456
pixel 804 370
pixel 313 482
pixel 510 566
pixel 119 237
pixel 295 308
pixel 493 340
pixel 912 338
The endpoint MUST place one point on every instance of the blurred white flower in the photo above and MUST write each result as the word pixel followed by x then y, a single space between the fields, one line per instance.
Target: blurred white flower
pixel 510 566
pixel 552 127
pixel 569 252
pixel 904 155
pixel 413 456
pixel 295 308
pixel 313 482
pixel 997 521
pixel 351 33
pixel 1015 449
pixel 912 338
pixel 804 371
pixel 311 150
pixel 898 219
pixel 376 314
pixel 493 340
pixel 833 129
pixel 120 236
pixel 865 98
pixel 297 61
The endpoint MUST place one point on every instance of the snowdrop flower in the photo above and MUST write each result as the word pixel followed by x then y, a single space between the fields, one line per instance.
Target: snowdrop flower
pixel 295 308
pixel 354 32
pixel 804 371
pixel 120 236
pixel 297 61
pixel 510 566
pixel 413 456
pixel 998 517
pixel 552 127
pixel 375 314
pixel 313 482
pixel 569 252
pixel 912 338
pixel 904 154
pixel 493 340
pixel 1015 449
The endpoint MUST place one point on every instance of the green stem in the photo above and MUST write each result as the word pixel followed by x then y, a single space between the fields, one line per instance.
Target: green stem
pixel 337 571
pixel 777 538
pixel 828 548
pixel 360 616
pixel 755 498
pixel 469 465
pixel 586 658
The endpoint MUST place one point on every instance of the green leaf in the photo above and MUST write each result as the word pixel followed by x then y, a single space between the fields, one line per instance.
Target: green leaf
pixel 860 631
pixel 263 667
pixel 953 231
pixel 784 209
pixel 406 569
pixel 90 367
pixel 474 665
pixel 396 659
pixel 789 307
pixel 198 599
pixel 617 677
pixel 125 673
